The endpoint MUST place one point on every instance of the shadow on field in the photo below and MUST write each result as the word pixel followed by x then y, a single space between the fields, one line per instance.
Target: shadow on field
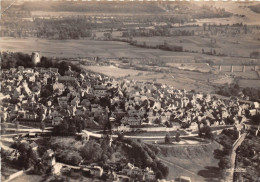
pixel 211 173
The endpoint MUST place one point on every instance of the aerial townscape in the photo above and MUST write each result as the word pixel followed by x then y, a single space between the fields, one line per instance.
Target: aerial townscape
pixel 96 100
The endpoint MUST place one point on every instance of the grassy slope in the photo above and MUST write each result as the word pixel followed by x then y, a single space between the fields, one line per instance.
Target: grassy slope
pixel 255 8
pixel 198 161
pixel 26 177
pixel 7 169
pixel 93 7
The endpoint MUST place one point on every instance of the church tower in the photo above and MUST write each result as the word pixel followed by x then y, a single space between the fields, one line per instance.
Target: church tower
pixel 36 57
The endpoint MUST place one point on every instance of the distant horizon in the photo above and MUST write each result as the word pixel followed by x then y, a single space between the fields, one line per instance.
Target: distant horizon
pixel 150 1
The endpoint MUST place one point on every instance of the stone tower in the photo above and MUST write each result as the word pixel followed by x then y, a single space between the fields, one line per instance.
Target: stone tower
pixel 36 57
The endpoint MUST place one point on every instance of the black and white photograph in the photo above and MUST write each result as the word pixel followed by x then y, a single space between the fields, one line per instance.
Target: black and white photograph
pixel 130 90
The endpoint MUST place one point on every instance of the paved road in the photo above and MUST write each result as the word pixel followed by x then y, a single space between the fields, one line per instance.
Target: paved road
pixel 70 166
pixel 27 130
pixel 237 143
pixel 98 135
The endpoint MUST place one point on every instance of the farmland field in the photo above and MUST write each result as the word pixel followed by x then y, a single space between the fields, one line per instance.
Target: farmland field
pixel 113 71
pixel 249 83
pixel 228 45
pixel 181 79
pixel 107 49
pixel 80 48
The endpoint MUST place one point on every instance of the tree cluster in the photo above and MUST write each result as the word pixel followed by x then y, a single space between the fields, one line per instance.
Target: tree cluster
pixel 143 156
pixel 226 139
pixel 168 139
pixel 206 132
pixel 164 31
pixel 27 156
pixel 235 90
pixel 70 126
pixel 256 118
pixel 66 28
pixel 13 60
pixel 61 65
pixel 68 156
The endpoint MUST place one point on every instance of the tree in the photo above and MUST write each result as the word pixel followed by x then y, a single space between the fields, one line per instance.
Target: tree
pixel 120 136
pixel 4 125
pixel 61 129
pixel 104 144
pixel 206 132
pixel 91 151
pixel 204 26
pixel 14 101
pixel 177 137
pixel 32 157
pixel 163 168
pixel 224 163
pixel 154 166
pixel 167 138
pixel 256 118
pixel 42 126
pixel 108 35
pixel 165 171
pixel 74 158
pixel 223 174
pixel 72 128
pixel 230 120
pixel 17 126
pixel 79 126
pixel 27 157
pixel 45 93
pixel 144 44
pixel 159 175
pixel 104 158
pixel 255 54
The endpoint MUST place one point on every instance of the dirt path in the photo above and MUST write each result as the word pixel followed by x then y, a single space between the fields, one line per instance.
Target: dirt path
pixel 176 165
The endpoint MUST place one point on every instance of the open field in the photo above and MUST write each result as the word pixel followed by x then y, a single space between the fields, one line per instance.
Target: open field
pixel 71 13
pixel 228 45
pixel 251 18
pixel 80 48
pixel 249 83
pixel 184 79
pixel 180 79
pixel 201 67
pixel 107 49
pixel 113 71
